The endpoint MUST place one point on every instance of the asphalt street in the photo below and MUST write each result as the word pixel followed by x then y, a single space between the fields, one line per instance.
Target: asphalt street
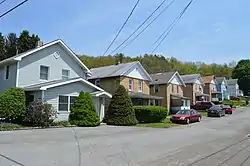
pixel 212 142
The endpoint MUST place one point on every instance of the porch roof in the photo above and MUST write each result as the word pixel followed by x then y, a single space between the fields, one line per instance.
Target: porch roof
pixel 201 94
pixel 140 95
pixel 216 92
pixel 179 97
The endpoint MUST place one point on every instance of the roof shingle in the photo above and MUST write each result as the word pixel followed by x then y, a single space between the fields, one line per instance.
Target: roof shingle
pixel 161 78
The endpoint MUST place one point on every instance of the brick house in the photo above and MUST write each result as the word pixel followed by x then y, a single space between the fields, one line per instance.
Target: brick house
pixel 131 75
pixel 211 88
pixel 194 88
pixel 170 86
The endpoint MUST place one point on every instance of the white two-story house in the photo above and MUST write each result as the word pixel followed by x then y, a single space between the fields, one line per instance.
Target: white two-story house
pixel 51 72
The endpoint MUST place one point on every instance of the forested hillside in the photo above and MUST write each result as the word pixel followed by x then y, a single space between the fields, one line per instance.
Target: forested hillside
pixel 158 63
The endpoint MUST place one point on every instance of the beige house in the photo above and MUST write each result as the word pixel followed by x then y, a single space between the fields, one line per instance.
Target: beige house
pixel 194 88
pixel 131 75
pixel 211 89
pixel 170 86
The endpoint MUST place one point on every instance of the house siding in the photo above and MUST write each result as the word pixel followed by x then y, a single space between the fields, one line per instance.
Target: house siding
pixel 29 72
pixel 162 92
pixel 145 84
pixel 11 82
pixel 189 92
pixel 51 96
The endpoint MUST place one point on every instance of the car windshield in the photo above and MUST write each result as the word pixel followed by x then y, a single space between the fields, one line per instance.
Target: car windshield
pixel 183 112
pixel 215 107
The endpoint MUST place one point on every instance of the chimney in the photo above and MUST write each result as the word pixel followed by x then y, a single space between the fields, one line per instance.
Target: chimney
pixel 39 43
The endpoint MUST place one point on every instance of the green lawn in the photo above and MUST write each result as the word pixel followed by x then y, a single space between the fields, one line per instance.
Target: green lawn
pixel 164 124
pixel 203 113
pixel 234 102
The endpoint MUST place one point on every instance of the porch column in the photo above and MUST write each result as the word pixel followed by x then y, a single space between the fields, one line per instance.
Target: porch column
pixel 148 101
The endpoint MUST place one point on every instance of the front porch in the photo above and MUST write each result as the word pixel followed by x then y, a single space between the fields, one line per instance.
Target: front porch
pixel 179 103
pixel 216 97
pixel 201 97
pixel 143 99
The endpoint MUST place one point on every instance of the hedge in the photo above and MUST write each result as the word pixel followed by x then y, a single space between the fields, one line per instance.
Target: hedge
pixel 150 114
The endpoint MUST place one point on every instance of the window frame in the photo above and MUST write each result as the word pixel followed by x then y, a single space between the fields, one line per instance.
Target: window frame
pixel 98 82
pixel 64 76
pixel 7 72
pixel 156 88
pixel 131 84
pixel 69 104
pixel 172 88
pixel 177 88
pixel 44 73
pixel 140 84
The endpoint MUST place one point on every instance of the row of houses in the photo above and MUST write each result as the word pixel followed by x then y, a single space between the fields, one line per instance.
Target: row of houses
pixel 53 72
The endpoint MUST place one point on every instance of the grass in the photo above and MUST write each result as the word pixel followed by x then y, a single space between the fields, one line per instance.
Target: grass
pixel 164 124
pixel 10 126
pixel 203 112
pixel 234 102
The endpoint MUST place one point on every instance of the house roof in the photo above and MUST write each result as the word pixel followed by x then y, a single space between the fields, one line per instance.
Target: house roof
pixel 232 81
pixel 19 57
pixel 164 78
pixel 220 79
pixel 208 79
pixel 140 95
pixel 56 83
pixel 190 78
pixel 115 70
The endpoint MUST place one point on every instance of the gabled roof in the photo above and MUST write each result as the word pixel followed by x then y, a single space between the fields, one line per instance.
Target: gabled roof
pixel 115 70
pixel 208 79
pixel 29 52
pixel 220 80
pixel 232 81
pixel 56 83
pixel 192 78
pixel 164 78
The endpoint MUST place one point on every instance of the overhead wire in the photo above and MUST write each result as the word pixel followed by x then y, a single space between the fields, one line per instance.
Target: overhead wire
pixel 2 2
pixel 122 27
pixel 170 27
pixel 157 8
pixel 10 10
pixel 133 39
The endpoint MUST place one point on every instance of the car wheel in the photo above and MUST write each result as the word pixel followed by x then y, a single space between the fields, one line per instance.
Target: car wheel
pixel 187 121
pixel 199 119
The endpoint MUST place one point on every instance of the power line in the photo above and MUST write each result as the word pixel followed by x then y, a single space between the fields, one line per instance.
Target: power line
pixel 121 27
pixel 171 26
pixel 162 3
pixel 2 2
pixel 131 41
pixel 13 8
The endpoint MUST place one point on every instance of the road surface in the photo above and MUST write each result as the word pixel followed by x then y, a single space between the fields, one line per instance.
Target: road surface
pixel 215 141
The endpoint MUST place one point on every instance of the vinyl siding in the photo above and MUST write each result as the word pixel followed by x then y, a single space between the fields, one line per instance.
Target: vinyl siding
pixel 11 82
pixel 29 72
pixel 51 96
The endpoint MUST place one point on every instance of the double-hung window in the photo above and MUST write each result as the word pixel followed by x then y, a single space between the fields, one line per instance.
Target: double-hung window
pixel 131 85
pixel 140 86
pixel 44 72
pixel 65 74
pixel 65 103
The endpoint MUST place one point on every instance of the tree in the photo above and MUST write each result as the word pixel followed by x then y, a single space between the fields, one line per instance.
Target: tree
pixel 11 45
pixel 120 111
pixel 2 47
pixel 27 42
pixel 83 113
pixel 242 73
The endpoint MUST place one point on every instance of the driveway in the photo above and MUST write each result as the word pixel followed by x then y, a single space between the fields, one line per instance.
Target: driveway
pixel 214 141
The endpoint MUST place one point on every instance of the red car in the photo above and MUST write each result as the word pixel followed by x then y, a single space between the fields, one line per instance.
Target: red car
pixel 186 116
pixel 228 109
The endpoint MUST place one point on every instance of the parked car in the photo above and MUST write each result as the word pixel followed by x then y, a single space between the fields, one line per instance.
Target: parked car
pixel 216 110
pixel 186 116
pixel 202 105
pixel 228 109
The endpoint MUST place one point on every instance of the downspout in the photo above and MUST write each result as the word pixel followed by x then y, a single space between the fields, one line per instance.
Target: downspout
pixel 42 95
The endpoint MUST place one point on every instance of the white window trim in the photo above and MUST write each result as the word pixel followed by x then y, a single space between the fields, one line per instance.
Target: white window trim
pixel 68 103
pixel 40 72
pixel 132 85
pixel 5 72
pixel 64 75
pixel 140 84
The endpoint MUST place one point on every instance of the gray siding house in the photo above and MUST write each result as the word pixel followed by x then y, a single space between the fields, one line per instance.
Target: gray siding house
pixel 54 73
pixel 233 88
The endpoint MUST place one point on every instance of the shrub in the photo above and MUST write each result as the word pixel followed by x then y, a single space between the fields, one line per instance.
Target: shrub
pixel 12 105
pixel 120 111
pixel 40 114
pixel 83 113
pixel 150 114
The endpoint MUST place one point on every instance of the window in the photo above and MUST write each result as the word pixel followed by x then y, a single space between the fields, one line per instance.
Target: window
pixel 44 72
pixel 196 87
pixel 65 74
pixel 156 88
pixel 177 86
pixel 66 103
pixel 172 86
pixel 7 72
pixel 97 82
pixel 131 85
pixel 140 86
